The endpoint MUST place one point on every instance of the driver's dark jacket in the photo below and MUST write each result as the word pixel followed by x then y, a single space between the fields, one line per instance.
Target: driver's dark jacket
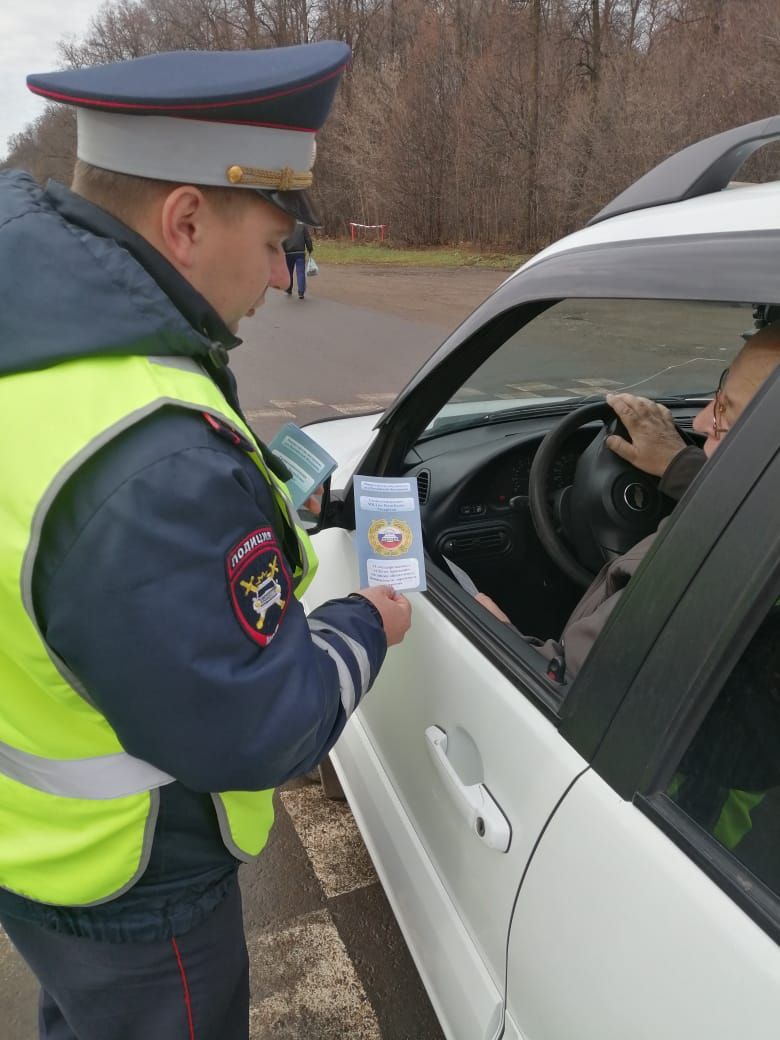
pixel 590 615
pixel 183 686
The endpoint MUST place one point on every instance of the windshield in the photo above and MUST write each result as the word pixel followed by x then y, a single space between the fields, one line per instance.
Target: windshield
pixel 582 348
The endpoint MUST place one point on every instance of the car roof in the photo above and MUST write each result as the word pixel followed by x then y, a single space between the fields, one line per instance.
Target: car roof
pixel 722 245
pixel 753 207
pixel 687 195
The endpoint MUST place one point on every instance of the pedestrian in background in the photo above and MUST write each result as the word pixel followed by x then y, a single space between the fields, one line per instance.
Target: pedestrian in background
pixel 296 246
pixel 158 673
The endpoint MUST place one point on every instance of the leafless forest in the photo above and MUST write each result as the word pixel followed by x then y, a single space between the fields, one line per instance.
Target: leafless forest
pixel 501 123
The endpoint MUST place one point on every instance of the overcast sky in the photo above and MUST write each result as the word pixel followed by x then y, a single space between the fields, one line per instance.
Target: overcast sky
pixel 29 33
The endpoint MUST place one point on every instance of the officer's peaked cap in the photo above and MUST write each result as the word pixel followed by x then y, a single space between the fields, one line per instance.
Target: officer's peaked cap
pixel 243 119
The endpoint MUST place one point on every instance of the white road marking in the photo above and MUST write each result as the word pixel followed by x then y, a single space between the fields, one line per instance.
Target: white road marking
pixel 352 409
pixel 303 984
pixel 590 386
pixel 378 398
pixel 307 402
pixel 532 388
pixel 289 409
pixel 266 413
pixel 331 839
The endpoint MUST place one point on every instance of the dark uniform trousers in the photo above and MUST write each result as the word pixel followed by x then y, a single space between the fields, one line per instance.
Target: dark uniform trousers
pixel 192 987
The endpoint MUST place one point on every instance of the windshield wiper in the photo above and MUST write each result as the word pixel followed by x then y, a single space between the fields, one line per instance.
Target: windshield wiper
pixel 701 398
pixel 445 424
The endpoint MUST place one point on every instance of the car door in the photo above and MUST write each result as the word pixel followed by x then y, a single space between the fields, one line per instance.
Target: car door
pixel 452 771
pixel 644 915
pixel 457 676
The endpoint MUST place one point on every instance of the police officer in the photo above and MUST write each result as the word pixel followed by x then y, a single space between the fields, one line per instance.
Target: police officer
pixel 159 676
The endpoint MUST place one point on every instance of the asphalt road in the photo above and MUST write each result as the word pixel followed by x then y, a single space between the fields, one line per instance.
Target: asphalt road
pixel 361 334
pixel 328 961
pixel 351 344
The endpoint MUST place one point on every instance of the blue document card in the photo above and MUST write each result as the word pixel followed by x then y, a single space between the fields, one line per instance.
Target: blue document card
pixel 309 464
pixel 388 533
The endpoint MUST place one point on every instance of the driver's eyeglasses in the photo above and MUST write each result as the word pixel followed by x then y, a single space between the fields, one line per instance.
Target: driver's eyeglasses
pixel 718 407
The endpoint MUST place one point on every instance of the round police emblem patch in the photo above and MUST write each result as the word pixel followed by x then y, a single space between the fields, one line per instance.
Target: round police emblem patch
pixel 389 537
pixel 260 585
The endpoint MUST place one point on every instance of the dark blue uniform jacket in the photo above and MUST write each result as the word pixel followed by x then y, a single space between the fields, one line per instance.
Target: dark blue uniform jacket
pixel 131 587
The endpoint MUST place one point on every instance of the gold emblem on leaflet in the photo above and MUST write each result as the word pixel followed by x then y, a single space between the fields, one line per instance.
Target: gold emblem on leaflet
pixel 389 537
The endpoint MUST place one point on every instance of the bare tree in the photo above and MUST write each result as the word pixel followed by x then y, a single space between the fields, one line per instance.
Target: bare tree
pixel 505 123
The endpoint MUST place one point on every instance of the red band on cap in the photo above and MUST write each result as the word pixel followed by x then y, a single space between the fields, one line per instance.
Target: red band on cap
pixel 138 107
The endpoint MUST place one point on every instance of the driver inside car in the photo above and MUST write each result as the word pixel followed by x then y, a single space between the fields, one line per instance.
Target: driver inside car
pixel 657 448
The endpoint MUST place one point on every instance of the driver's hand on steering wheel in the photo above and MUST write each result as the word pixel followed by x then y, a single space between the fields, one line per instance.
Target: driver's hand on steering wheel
pixel 654 439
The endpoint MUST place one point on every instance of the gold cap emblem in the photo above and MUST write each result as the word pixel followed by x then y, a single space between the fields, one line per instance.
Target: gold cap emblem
pixel 285 179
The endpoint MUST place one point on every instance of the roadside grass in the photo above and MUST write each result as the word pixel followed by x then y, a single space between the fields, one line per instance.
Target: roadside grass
pixel 341 251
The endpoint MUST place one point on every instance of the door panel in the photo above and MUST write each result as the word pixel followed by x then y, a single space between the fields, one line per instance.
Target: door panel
pixel 495 737
pixel 618 934
pixel 467 1002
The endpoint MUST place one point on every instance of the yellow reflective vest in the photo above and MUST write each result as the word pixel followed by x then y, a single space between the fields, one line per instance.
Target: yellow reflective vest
pixel 77 813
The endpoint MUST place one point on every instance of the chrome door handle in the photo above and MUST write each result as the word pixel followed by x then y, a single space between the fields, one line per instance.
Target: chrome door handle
pixel 474 802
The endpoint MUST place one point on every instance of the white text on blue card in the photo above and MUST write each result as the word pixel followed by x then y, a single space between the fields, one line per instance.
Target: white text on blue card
pixel 309 464
pixel 388 533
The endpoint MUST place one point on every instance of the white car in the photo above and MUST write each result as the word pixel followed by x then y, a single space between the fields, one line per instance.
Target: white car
pixel 550 882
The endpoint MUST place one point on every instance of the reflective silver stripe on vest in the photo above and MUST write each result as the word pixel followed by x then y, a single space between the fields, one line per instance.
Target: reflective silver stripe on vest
pixel 108 776
pixel 346 686
pixel 358 651
pixel 78 460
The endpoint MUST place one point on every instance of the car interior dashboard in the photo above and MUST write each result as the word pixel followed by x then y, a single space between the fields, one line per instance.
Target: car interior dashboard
pixel 473 485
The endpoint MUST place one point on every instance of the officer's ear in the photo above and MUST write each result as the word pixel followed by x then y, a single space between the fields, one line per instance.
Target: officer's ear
pixel 182 225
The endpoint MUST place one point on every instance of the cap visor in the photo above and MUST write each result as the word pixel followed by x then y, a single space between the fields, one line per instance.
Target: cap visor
pixel 296 203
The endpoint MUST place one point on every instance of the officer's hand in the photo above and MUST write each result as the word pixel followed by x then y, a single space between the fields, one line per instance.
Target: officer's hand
pixel 654 439
pixel 396 611
pixel 314 502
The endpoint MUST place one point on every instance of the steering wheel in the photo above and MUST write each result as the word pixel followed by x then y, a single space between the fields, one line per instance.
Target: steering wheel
pixel 610 506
